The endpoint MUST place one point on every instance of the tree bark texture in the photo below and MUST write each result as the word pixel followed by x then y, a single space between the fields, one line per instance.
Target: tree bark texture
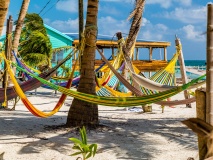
pixel 18 29
pixel 4 4
pixel 84 113
pixel 136 24
pixel 209 66
pixel 19 24
pixel 201 114
pixel 133 33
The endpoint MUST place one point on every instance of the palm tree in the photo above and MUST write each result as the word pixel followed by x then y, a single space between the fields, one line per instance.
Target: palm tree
pixel 4 4
pixel 36 50
pixel 35 47
pixel 80 112
pixel 19 24
pixel 136 16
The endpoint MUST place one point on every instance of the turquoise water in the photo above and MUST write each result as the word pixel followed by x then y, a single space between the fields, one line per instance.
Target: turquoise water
pixel 197 64
pixel 189 74
pixel 194 63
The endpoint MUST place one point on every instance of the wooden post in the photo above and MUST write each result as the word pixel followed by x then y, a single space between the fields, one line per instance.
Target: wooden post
pixel 150 74
pixel 8 48
pixel 137 53
pixel 150 53
pixel 201 114
pixel 81 24
pixel 102 50
pixel 182 70
pixel 165 54
pixel 113 53
pixel 209 66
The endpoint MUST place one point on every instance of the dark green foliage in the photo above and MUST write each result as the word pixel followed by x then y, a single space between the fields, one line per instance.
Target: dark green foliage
pixel 35 47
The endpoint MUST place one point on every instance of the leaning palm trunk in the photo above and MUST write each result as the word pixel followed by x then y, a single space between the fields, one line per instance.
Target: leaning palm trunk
pixel 136 24
pixel 84 113
pixel 4 4
pixel 19 24
pixel 18 29
pixel 133 32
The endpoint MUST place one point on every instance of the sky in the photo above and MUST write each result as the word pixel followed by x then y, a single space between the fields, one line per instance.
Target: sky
pixel 162 20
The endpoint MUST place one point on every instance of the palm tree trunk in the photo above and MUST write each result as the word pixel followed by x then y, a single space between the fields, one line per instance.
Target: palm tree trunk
pixel 84 113
pixel 133 32
pixel 135 26
pixel 4 4
pixel 18 29
pixel 19 24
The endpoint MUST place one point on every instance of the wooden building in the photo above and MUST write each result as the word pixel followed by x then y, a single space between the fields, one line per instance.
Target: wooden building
pixel 106 42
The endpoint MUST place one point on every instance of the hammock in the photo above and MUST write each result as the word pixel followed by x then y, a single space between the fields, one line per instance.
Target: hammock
pixel 30 84
pixel 138 93
pixel 108 101
pixel 75 80
pixel 104 89
pixel 29 106
pixel 150 84
pixel 146 82
pixel 21 64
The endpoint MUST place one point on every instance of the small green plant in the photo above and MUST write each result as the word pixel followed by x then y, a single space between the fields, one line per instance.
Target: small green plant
pixel 87 150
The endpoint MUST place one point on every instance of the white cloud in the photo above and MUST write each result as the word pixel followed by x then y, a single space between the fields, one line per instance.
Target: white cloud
pixel 153 32
pixel 184 2
pixel 71 25
pixel 113 10
pixel 68 6
pixel 161 27
pixel 191 33
pixel 145 21
pixel 162 3
pixel 127 1
pixel 192 15
pixel 148 35
pixel 108 25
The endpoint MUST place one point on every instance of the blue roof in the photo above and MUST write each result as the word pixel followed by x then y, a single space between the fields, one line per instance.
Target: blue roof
pixel 3 37
pixel 58 32
pixel 75 36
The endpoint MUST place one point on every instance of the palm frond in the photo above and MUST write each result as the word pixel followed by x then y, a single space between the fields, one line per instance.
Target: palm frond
pixel 35 59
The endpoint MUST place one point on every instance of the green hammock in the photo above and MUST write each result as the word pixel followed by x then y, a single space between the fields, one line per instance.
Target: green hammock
pixel 116 101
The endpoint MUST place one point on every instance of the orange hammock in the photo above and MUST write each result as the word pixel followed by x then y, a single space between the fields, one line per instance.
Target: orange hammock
pixel 29 105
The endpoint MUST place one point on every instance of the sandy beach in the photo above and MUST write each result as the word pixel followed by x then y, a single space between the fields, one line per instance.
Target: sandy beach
pixel 130 134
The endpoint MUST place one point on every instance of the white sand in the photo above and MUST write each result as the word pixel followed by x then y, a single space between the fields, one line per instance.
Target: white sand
pixel 132 136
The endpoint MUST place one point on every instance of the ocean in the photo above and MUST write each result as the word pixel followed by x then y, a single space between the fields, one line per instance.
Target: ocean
pixel 197 64
pixel 194 63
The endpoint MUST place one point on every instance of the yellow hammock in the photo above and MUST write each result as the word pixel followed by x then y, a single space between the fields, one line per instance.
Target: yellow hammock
pixel 28 104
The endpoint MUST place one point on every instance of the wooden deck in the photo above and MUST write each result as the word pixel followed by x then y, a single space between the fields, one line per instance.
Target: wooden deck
pixel 143 65
pixel 150 66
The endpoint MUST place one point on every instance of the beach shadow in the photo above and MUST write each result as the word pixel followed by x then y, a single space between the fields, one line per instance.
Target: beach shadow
pixel 128 138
